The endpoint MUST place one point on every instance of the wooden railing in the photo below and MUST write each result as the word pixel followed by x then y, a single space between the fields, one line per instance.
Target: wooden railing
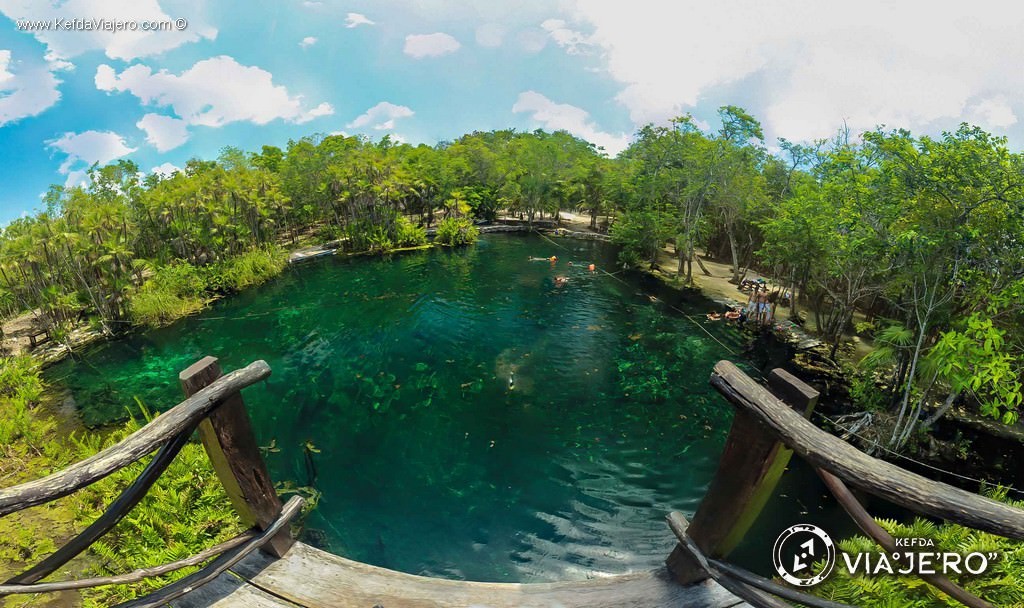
pixel 214 407
pixel 768 427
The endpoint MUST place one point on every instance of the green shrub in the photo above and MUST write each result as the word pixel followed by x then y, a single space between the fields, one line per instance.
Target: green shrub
pixel 171 293
pixel 409 234
pixel 456 231
pixel 1002 583
pixel 249 269
pixel 864 328
pixel 19 376
pixel 378 240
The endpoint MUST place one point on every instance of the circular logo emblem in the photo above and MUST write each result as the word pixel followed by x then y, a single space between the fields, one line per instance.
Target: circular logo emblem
pixel 804 555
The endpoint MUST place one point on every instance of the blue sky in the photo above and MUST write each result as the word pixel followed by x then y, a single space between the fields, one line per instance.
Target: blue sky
pixel 263 72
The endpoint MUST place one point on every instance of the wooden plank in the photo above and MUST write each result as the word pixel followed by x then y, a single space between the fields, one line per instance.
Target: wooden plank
pixel 229 591
pixel 748 456
pixel 793 391
pixel 751 587
pixel 875 476
pixel 312 578
pixel 231 445
pixel 132 448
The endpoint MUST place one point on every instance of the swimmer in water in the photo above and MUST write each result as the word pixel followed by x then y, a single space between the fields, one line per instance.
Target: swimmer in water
pixel 511 380
pixel 561 281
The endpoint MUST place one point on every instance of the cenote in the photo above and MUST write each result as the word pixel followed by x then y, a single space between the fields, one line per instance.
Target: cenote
pixel 391 395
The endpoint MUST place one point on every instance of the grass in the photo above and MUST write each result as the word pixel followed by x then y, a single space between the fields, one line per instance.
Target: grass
pixel 181 289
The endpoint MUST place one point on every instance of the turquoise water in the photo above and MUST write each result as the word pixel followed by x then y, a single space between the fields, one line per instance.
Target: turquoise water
pixel 391 395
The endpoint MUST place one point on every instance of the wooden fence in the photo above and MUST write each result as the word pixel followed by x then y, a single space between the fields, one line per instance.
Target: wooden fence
pixel 770 426
pixel 215 408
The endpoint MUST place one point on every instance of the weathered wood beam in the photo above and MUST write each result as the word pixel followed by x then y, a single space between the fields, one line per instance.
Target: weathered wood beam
pixel 219 566
pixel 869 526
pixel 165 426
pixel 114 513
pixel 749 469
pixel 875 476
pixel 755 589
pixel 130 577
pixel 231 445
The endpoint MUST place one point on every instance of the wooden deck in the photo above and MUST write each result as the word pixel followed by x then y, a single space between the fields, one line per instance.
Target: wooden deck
pixel 309 578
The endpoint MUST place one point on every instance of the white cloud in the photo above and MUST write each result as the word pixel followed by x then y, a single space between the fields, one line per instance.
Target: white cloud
pixel 356 19
pixel 381 116
pixel 212 93
pixel 532 40
pixel 802 70
pixel 82 150
pixel 5 62
pixel 307 42
pixel 163 132
pixel 564 117
pixel 992 113
pixel 125 44
pixel 166 169
pixel 430 45
pixel 490 35
pixel 574 43
pixel 25 90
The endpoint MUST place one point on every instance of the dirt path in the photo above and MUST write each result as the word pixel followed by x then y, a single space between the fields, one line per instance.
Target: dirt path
pixel 18 330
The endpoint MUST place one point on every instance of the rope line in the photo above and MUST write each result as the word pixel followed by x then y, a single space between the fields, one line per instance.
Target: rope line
pixel 657 299
pixel 687 316
pixel 895 454
pixel 832 421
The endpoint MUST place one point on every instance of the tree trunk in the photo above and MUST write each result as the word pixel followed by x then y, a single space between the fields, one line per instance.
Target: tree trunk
pixel 909 385
pixel 939 413
pixel 735 256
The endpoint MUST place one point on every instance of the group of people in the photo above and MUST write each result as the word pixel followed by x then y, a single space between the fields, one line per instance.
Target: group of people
pixel 759 308
pixel 560 280
pixel 734 314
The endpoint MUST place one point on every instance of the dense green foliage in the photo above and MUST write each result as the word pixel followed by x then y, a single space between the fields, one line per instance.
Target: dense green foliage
pixel 180 288
pixel 918 234
pixel 456 231
pixel 102 252
pixel 1001 585
pixel 185 512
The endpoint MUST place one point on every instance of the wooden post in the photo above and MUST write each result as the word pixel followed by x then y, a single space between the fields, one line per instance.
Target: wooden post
pixel 231 445
pixel 750 467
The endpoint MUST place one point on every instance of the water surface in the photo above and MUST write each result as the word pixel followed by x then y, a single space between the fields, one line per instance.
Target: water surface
pixel 391 395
